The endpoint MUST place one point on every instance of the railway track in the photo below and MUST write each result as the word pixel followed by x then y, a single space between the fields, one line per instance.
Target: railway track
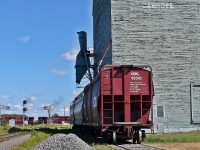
pixel 127 145
pixel 134 147
pixel 10 140
pixel 10 136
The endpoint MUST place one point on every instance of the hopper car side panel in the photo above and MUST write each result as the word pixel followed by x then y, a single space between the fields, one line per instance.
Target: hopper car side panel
pixel 76 114
pixel 90 104
pixel 94 103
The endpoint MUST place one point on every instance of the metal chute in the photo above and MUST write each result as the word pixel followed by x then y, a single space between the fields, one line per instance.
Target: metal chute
pixel 83 64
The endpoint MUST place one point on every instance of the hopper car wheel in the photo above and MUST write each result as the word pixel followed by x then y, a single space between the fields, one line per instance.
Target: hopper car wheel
pixel 114 137
pixel 95 133
pixel 134 135
pixel 108 137
pixel 139 136
pixel 133 140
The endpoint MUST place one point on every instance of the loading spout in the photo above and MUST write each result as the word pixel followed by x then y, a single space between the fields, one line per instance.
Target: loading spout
pixel 82 59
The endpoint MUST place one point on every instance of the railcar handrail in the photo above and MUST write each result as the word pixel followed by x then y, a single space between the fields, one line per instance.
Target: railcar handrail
pixel 127 123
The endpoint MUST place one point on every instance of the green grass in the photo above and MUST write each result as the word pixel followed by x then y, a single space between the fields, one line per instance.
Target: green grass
pixel 102 147
pixel 36 138
pixel 4 130
pixel 189 137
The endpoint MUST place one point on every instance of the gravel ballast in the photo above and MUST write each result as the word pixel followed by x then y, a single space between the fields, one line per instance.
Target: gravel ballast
pixel 63 142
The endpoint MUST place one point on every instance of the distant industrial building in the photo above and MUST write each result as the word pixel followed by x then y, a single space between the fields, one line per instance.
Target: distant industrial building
pixel 162 34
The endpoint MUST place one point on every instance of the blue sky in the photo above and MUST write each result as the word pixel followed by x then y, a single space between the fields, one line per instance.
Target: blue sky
pixel 38 45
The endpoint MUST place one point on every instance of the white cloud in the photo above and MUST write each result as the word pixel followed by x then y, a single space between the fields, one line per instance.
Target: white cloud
pixel 7 111
pixel 18 107
pixel 29 105
pixel 25 38
pixel 70 55
pixel 32 98
pixel 5 97
pixel 59 72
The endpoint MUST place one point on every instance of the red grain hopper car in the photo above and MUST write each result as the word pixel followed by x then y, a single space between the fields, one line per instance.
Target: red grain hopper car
pixel 18 120
pixel 31 120
pixel 6 119
pixel 60 119
pixel 116 104
pixel 42 120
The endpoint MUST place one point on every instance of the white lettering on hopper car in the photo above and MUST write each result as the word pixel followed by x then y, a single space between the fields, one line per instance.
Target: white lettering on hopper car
pixel 158 5
pixel 136 78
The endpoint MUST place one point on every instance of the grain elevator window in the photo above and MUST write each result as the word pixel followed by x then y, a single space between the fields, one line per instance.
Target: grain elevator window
pixel 160 111
pixel 195 103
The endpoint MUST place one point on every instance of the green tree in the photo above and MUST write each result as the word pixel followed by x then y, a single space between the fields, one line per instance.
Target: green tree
pixel 55 115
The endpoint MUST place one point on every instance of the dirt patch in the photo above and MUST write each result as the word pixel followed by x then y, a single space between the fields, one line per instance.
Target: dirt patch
pixel 177 146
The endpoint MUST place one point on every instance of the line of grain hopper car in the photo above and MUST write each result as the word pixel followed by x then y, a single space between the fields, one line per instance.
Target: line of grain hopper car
pixel 19 120
pixel 116 104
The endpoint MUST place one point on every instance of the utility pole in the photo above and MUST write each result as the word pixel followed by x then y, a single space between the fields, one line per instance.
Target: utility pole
pixel 0 116
pixel 24 110
pixel 64 111
pixel 49 111
pixel 48 108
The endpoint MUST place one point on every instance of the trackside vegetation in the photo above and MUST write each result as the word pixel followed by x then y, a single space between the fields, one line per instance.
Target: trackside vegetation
pixel 36 138
pixel 188 137
pixel 4 130
pixel 43 132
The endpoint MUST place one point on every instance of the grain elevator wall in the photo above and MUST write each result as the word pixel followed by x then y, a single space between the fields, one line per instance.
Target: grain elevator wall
pixel 164 34
pixel 102 32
